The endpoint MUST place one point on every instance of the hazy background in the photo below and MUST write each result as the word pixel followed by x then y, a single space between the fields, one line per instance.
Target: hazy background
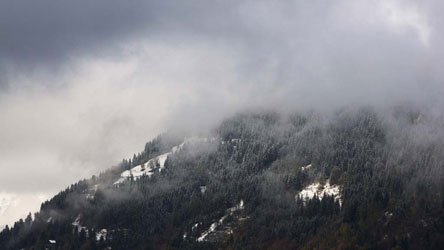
pixel 84 84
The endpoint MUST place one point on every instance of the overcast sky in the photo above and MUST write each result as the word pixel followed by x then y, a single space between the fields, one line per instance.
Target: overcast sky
pixel 86 83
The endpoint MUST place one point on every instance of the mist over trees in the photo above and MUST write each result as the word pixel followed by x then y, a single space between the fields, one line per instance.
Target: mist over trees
pixel 388 165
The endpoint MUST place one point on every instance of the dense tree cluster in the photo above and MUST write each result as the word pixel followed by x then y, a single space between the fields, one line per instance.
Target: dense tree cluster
pixel 389 167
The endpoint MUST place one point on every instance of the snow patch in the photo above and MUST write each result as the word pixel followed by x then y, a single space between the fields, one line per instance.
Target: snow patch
pixel 148 168
pixel 144 169
pixel 92 192
pixel 231 141
pixel 207 232
pixel 203 189
pixel 238 207
pixel 306 167
pixel 162 159
pixel 78 227
pixel 319 190
pixel 76 222
pixel 101 234
pixel 218 223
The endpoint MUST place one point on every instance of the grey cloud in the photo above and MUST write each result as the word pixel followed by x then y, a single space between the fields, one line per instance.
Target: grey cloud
pixel 35 33
pixel 296 45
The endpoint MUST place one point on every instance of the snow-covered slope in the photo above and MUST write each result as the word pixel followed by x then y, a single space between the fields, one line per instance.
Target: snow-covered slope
pixel 148 168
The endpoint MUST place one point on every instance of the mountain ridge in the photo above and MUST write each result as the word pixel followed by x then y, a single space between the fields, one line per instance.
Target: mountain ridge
pixel 260 181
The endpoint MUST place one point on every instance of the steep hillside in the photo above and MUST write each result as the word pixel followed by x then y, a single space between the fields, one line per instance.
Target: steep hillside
pixel 354 179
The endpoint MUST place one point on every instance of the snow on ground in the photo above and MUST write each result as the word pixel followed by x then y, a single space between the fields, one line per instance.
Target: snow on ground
pixel 208 231
pixel 306 167
pixel 78 226
pixel 149 167
pixel 238 207
pixel 203 189
pixel 319 190
pixel 216 224
pixel 76 222
pixel 101 234
pixel 231 141
pixel 162 159
pixel 92 192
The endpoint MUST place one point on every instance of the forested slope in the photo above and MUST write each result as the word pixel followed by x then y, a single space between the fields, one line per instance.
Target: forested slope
pixel 357 178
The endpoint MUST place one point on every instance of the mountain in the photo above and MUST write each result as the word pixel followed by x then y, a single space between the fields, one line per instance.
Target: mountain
pixel 358 178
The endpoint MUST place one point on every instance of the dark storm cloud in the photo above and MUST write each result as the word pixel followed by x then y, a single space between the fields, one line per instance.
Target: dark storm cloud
pixel 47 35
pixel 287 46
pixel 43 31
pixel 39 31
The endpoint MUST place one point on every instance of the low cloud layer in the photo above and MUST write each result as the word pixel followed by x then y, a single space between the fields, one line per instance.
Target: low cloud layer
pixel 84 84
